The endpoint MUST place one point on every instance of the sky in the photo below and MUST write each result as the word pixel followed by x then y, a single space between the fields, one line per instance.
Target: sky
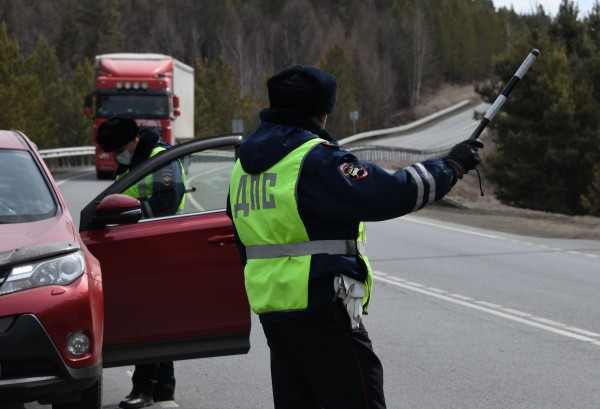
pixel 550 6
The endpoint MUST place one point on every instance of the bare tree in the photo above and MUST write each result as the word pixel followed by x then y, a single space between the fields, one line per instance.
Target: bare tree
pixel 419 52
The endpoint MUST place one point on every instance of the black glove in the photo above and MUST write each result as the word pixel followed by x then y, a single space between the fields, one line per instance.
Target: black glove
pixel 463 156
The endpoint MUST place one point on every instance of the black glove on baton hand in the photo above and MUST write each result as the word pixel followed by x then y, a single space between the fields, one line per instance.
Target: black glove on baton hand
pixel 463 156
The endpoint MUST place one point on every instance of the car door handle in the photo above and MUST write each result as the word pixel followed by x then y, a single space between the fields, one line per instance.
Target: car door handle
pixel 222 239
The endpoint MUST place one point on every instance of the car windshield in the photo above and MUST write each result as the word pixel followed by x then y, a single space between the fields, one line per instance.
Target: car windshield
pixel 24 192
pixel 133 105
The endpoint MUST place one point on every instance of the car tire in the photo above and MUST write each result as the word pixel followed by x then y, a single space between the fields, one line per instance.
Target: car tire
pixel 90 399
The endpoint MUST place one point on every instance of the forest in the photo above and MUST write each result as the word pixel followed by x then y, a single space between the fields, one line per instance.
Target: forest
pixel 385 54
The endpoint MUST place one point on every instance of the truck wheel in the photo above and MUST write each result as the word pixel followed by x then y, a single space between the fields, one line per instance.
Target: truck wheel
pixel 91 398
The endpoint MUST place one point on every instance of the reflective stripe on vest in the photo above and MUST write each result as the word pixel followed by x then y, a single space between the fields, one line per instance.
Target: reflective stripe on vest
pixel 264 209
pixel 345 247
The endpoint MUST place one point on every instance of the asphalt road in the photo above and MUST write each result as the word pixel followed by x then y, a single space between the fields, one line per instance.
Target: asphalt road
pixel 443 133
pixel 460 317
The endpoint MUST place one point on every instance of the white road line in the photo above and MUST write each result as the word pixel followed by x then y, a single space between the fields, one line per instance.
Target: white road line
pixel 442 226
pixel 516 312
pixel 488 304
pixel 548 322
pixel 437 290
pixel 498 311
pixel 583 331
pixel 167 404
pixel 491 236
pixel 461 297
pixel 77 176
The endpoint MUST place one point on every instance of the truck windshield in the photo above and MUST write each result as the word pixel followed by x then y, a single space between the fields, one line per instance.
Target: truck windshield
pixel 132 105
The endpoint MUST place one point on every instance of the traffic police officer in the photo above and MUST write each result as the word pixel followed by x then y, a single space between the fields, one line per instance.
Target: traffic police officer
pixel 161 193
pixel 298 202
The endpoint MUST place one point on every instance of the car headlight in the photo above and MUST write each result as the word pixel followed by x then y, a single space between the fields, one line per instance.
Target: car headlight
pixel 61 270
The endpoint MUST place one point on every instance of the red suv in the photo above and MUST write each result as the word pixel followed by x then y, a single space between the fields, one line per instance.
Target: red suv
pixel 123 290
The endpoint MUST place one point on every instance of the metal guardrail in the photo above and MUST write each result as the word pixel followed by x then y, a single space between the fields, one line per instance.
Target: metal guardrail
pixel 68 157
pixel 85 155
pixel 63 152
pixel 374 153
pixel 403 129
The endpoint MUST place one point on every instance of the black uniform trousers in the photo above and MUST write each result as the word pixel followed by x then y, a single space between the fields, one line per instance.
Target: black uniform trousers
pixel 318 362
pixel 156 380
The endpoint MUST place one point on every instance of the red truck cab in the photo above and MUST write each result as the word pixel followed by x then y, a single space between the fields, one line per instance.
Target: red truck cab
pixel 154 89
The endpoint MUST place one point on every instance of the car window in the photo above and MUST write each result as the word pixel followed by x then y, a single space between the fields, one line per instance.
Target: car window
pixel 195 183
pixel 25 195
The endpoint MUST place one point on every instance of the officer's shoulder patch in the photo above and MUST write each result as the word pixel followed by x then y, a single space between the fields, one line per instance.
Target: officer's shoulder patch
pixel 330 145
pixel 353 171
pixel 167 177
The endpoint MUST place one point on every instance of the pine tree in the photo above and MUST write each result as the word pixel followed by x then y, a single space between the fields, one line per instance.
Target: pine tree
pixel 100 27
pixel 337 63
pixel 21 103
pixel 218 99
pixel 547 133
pixel 62 98
pixel 68 39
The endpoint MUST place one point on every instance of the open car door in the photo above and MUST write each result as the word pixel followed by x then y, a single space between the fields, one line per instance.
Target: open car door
pixel 174 285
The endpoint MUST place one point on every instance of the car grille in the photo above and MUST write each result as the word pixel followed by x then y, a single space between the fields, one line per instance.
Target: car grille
pixel 28 369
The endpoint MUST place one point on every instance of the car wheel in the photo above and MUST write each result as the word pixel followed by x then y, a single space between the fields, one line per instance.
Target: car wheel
pixel 90 399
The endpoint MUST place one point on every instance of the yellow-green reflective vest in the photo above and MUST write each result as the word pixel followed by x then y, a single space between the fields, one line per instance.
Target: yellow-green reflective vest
pixel 144 188
pixel 278 250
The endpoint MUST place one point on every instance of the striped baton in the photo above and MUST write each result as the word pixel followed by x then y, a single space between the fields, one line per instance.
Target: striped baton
pixel 493 110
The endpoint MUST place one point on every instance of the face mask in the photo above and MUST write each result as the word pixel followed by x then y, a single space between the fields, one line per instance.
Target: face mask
pixel 124 157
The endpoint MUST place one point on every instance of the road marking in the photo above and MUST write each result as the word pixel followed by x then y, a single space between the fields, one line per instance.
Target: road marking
pixel 167 404
pixel 583 331
pixel 77 176
pixel 497 310
pixel 461 297
pixel 443 226
pixel 517 312
pixel 488 304
pixel 495 237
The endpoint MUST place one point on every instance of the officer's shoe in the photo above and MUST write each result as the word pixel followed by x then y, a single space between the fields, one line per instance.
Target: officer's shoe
pixel 136 400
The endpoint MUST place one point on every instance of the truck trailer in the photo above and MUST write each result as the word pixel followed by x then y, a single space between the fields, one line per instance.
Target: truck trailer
pixel 155 90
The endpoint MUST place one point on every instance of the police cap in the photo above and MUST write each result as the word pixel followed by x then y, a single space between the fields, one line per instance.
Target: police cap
pixel 116 132
pixel 308 90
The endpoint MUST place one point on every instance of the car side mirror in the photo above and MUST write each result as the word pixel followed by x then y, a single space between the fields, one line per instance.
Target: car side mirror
pixel 117 209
